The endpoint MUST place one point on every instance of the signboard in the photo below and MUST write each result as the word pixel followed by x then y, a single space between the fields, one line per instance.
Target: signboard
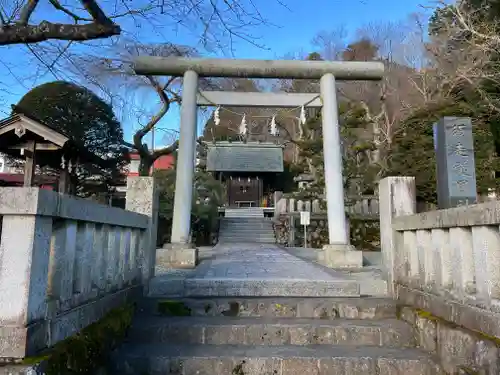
pixel 456 170
pixel 305 217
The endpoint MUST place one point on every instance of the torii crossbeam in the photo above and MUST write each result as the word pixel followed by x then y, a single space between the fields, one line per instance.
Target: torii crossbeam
pixel 326 71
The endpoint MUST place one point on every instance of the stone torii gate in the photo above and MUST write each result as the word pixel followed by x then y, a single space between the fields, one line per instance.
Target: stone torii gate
pixel 182 252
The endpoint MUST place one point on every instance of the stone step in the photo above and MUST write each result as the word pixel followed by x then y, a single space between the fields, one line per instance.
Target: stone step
pixel 255 234
pixel 244 215
pixel 271 331
pixel 259 242
pixel 243 239
pixel 246 230
pixel 243 236
pixel 243 210
pixel 153 359
pixel 246 227
pixel 249 220
pixel 230 287
pixel 244 224
pixel 292 307
pixel 246 235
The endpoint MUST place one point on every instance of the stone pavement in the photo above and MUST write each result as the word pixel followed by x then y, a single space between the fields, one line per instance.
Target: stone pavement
pixel 371 277
pixel 254 270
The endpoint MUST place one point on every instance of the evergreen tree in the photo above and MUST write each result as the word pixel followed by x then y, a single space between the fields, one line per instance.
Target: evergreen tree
pixel 85 118
pixel 414 153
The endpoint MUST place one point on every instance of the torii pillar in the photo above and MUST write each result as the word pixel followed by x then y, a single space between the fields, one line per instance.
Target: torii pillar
pixel 338 252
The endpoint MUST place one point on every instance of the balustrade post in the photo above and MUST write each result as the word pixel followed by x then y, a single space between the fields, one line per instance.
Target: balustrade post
pixel 25 253
pixel 462 260
pixel 397 197
pixel 486 250
pixel 142 197
pixel 442 258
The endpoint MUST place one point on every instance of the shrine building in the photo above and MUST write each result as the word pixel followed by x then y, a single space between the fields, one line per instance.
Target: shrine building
pixel 247 171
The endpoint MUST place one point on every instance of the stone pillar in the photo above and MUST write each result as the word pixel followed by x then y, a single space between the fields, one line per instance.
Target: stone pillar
pixel 338 253
pixel 143 197
pixel 181 223
pixel 25 249
pixel 180 252
pixel 397 197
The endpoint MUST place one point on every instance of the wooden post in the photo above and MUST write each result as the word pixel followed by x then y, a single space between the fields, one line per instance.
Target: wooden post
pixel 64 181
pixel 29 166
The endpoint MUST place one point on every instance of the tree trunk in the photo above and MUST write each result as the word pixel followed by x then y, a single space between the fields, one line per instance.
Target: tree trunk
pixel 146 162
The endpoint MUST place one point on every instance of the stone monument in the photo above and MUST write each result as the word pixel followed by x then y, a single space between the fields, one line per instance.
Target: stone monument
pixel 456 171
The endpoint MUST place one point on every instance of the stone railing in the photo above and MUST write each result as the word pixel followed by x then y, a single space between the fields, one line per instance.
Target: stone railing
pixel 356 205
pixel 66 262
pixel 445 265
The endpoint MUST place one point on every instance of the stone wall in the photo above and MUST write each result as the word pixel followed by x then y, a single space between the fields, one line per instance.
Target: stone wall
pixel 460 351
pixel 364 231
pixel 66 262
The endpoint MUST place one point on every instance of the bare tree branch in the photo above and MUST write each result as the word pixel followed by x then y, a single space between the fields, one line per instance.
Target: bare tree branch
pixel 165 151
pixel 76 17
pixel 22 32
pixel 219 21
pixel 157 117
pixel 15 34
pixel 27 11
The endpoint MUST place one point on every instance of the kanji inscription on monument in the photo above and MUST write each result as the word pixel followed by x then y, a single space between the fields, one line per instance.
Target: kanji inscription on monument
pixel 456 172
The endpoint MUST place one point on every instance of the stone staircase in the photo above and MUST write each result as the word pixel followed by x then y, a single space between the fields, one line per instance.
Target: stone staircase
pixel 255 309
pixel 251 229
pixel 252 212
pixel 271 336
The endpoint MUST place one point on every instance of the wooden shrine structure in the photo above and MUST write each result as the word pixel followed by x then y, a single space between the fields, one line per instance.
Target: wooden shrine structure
pixel 246 170
pixel 23 137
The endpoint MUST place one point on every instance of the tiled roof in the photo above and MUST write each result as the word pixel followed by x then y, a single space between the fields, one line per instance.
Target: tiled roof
pixel 241 157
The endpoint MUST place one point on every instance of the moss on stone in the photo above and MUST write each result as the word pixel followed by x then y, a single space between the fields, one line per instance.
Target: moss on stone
pixel 427 315
pixel 173 308
pixel 469 371
pixel 238 369
pixel 399 311
pixel 480 335
pixel 35 360
pixel 485 336
pixel 88 350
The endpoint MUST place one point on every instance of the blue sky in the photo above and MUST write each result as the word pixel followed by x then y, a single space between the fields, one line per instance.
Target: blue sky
pixel 306 18
pixel 293 32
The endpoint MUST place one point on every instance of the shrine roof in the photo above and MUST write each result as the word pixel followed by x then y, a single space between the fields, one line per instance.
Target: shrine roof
pixel 19 128
pixel 245 157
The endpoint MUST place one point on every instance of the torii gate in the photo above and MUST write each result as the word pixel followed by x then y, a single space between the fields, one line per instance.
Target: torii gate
pixel 327 71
